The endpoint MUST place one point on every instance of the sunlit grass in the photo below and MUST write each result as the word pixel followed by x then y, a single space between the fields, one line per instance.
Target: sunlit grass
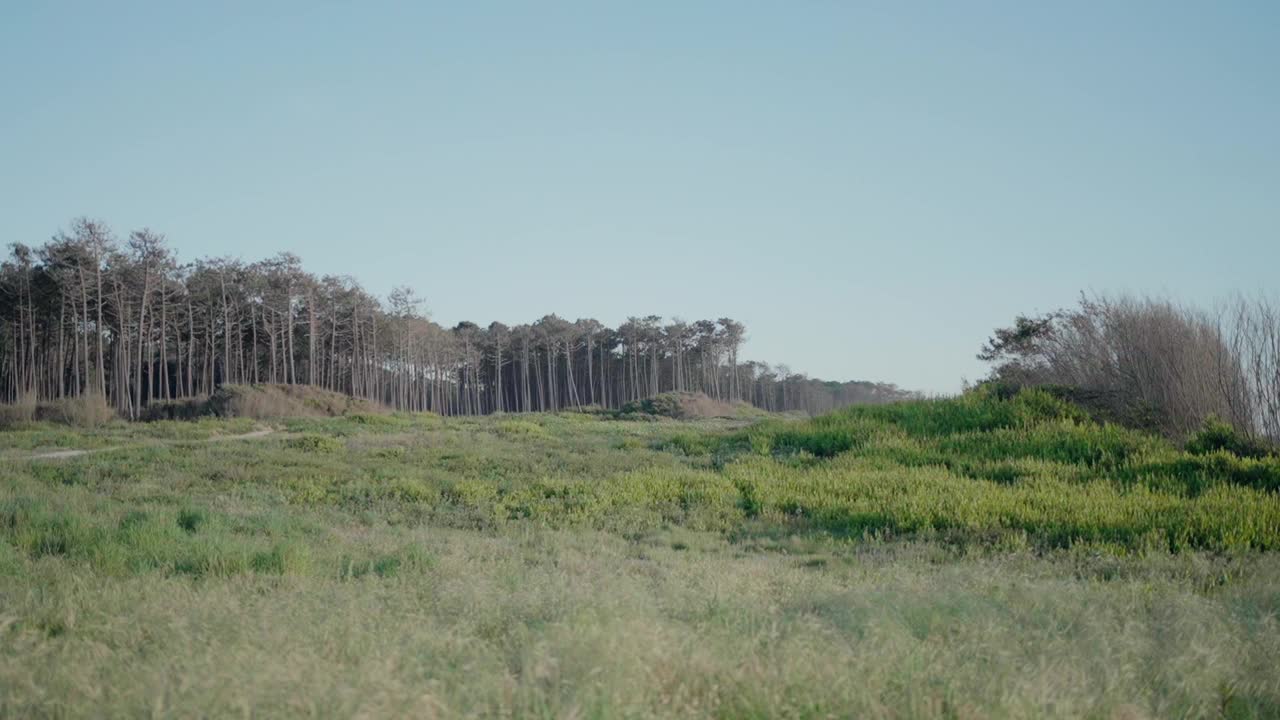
pixel 961 558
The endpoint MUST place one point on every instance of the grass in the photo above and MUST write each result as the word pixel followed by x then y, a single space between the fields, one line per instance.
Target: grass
pixel 18 442
pixel 974 557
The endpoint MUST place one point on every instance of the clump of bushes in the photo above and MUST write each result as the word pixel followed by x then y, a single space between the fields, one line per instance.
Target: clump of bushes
pixel 191 519
pixel 184 409
pixel 373 419
pixel 1217 435
pixel 1150 363
pixel 266 402
pixel 315 444
pixel 89 410
pixel 681 406
pixel 85 411
pixel 263 402
pixel 520 428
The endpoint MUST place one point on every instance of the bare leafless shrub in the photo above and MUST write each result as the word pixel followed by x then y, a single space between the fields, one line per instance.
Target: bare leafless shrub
pixel 1133 357
pixel 19 412
pixel 1252 329
pixel 89 410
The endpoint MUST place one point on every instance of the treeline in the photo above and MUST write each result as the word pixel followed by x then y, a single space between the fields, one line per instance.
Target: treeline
pixel 1152 363
pixel 88 314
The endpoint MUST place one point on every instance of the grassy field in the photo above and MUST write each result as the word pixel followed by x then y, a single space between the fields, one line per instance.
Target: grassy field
pixel 963 558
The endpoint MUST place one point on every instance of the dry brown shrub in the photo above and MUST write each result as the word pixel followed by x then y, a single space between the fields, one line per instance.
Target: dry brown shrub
pixel 277 401
pixel 90 410
pixel 17 413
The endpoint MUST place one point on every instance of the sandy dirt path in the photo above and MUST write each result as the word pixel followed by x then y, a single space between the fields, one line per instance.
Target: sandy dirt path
pixel 63 454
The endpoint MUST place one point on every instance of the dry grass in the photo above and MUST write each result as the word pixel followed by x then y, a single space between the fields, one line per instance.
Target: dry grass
pixel 263 402
pixel 532 623
pixel 574 566
pixel 84 411
pixel 18 413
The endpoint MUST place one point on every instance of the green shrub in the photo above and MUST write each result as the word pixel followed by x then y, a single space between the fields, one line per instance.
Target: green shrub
pixel 284 558
pixel 819 442
pixel 687 443
pixel 1193 474
pixel 268 401
pixel 1217 435
pixel 190 519
pixel 520 428
pixel 679 406
pixel 315 444
pixel 183 409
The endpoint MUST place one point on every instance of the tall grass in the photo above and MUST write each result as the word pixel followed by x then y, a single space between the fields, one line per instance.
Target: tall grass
pixel 969 557
pixel 83 411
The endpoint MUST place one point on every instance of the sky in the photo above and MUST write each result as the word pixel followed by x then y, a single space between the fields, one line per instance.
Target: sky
pixel 870 187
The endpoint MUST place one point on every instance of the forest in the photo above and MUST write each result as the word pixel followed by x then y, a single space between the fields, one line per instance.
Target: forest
pixel 85 313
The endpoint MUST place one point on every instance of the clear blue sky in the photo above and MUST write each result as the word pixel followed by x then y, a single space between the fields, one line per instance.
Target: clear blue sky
pixel 870 187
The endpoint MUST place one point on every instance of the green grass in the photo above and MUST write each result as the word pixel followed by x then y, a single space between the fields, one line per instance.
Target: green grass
pixel 18 442
pixel 973 557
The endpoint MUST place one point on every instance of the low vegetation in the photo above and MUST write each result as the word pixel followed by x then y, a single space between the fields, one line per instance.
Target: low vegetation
pixel 85 411
pixel 263 402
pixel 687 406
pixel 973 557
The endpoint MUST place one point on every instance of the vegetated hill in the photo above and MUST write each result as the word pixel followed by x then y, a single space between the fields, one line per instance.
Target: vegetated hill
pixel 1031 466
pixel 265 401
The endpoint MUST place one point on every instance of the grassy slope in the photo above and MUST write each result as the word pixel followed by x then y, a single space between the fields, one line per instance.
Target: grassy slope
pixel 950 559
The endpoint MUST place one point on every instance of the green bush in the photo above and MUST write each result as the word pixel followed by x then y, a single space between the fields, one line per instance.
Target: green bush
pixel 1194 474
pixel 191 520
pixel 315 444
pixel 285 558
pixel 1217 435
pixel 821 442
pixel 517 428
